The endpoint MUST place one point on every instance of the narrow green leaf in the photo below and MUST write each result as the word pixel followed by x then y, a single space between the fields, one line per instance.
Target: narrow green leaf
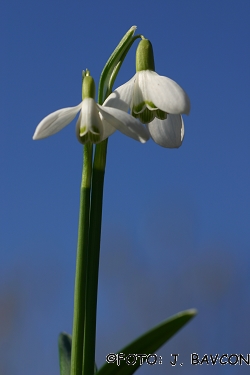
pixel 148 343
pixel 112 64
pixel 64 345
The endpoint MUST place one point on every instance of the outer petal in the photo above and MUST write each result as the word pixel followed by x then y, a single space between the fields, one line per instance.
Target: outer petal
pixel 138 102
pixel 121 98
pixel 167 133
pixel 107 128
pixel 165 93
pixel 124 122
pixel 56 121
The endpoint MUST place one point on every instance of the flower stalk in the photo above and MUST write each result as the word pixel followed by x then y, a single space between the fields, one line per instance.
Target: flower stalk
pixel 81 264
pixel 93 258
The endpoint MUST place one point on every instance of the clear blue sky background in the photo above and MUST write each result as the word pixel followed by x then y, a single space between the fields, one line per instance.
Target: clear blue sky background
pixel 175 222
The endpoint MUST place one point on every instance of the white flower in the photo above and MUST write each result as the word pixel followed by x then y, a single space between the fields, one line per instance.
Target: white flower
pixel 157 101
pixel 95 123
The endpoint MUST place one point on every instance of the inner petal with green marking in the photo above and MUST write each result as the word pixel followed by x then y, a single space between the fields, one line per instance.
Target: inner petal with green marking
pixel 83 130
pixel 146 111
pixel 145 116
pixel 141 107
pixel 161 115
pixel 94 134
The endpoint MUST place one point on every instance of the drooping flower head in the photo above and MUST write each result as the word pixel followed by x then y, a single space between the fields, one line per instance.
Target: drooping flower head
pixel 156 100
pixel 95 122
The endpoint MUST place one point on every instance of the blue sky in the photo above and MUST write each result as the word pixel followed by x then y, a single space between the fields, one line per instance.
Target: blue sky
pixel 175 222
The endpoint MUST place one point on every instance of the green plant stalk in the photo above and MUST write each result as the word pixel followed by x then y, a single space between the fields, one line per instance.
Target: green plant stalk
pixel 81 264
pixel 107 79
pixel 93 258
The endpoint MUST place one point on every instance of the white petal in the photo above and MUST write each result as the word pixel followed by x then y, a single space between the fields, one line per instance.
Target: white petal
pixel 56 121
pixel 90 121
pixel 121 98
pixel 138 97
pixel 107 128
pixel 165 93
pixel 124 122
pixel 90 116
pixel 167 133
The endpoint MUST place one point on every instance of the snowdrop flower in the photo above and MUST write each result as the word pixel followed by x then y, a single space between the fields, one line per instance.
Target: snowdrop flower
pixel 156 100
pixel 95 122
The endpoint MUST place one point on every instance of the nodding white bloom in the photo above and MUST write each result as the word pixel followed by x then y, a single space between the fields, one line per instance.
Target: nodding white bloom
pixel 95 123
pixel 156 100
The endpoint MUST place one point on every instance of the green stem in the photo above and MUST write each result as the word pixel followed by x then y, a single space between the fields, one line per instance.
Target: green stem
pixel 93 258
pixel 81 264
pixel 107 79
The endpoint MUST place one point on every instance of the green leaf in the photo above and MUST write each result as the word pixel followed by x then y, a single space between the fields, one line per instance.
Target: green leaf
pixel 64 345
pixel 148 343
pixel 113 65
